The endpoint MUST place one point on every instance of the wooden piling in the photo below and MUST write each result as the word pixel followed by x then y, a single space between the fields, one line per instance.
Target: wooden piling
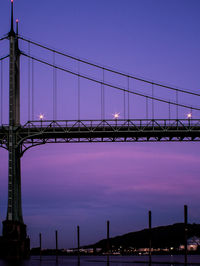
pixel 56 232
pixel 108 237
pixel 40 239
pixel 78 239
pixel 150 240
pixel 185 230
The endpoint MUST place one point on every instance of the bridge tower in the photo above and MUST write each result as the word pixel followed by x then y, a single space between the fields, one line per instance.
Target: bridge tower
pixel 15 241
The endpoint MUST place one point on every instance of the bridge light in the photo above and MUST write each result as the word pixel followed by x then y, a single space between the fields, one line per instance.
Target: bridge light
pixel 189 115
pixel 11 1
pixel 17 20
pixel 116 115
pixel 41 116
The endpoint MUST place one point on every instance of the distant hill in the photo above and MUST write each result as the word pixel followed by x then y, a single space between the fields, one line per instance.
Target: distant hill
pixel 162 237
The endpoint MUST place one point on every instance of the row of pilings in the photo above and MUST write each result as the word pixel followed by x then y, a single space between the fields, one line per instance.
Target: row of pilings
pixel 108 242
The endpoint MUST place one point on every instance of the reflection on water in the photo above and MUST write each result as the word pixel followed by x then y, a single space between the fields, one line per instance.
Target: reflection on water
pixel 108 261
pixel 104 261
pixel 12 263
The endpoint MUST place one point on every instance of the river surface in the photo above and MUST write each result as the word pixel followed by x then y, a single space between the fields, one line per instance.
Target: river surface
pixel 104 261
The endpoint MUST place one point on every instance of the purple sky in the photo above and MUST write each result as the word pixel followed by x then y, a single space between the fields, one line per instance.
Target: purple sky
pixel 65 185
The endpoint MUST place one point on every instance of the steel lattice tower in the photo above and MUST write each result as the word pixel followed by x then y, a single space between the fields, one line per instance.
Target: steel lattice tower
pixel 14 241
pixel 14 212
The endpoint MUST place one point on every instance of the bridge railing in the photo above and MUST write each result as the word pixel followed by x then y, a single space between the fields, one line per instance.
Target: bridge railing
pixel 113 123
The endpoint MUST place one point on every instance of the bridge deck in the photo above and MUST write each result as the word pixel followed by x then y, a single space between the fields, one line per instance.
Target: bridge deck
pixel 40 132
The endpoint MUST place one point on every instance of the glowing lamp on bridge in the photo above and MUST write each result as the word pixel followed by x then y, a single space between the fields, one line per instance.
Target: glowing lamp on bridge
pixel 41 116
pixel 189 116
pixel 116 115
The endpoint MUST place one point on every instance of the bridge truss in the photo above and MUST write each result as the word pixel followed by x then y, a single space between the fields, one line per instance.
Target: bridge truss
pixel 35 133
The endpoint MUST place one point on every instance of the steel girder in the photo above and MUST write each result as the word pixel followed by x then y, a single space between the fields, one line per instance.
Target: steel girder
pixel 35 133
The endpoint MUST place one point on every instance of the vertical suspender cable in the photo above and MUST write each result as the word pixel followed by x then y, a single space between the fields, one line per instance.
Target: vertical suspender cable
pixel 133 101
pixel 152 101
pixel 33 90
pixel 177 104
pixel 103 97
pixel 101 101
pixel 29 83
pixel 1 92
pixel 79 91
pixel 54 88
pixel 124 105
pixel 55 93
pixel 147 109
pixel 128 100
pixel 169 111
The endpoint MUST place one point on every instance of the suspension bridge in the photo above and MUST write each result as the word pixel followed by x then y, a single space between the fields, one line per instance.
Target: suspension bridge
pixel 86 102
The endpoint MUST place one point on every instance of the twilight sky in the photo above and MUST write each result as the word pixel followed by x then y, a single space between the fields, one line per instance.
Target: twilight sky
pixel 65 185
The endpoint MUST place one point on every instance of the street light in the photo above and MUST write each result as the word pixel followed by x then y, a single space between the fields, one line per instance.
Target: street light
pixel 41 117
pixel 116 115
pixel 189 116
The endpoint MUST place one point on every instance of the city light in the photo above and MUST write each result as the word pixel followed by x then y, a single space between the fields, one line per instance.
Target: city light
pixel 116 115
pixel 189 115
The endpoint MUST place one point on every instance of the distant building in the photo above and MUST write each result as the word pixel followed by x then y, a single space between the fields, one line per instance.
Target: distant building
pixel 192 244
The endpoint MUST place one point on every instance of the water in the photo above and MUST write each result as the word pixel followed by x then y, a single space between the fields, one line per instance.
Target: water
pixel 104 261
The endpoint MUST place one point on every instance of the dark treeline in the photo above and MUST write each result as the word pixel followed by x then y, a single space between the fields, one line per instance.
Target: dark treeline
pixel 162 237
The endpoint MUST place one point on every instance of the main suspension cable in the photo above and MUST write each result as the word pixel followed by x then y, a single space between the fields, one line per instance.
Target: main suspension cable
pixel 2 58
pixel 3 38
pixel 110 85
pixel 109 69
